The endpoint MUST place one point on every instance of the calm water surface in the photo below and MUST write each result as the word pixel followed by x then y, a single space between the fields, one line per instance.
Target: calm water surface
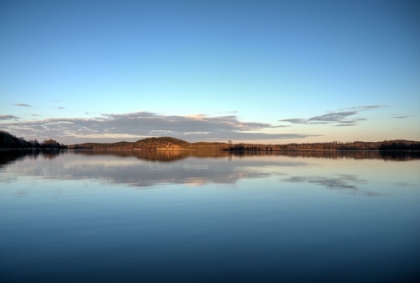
pixel 209 217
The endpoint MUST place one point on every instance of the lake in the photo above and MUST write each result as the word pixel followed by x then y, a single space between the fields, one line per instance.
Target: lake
pixel 184 216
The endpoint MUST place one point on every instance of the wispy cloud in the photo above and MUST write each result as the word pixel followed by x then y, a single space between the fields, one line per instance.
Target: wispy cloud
pixel 8 117
pixel 295 121
pixel 343 117
pixel 141 124
pixel 34 115
pixel 403 116
pixel 23 105
pixel 228 112
pixel 332 116
pixel 60 107
pixel 365 107
pixel 404 184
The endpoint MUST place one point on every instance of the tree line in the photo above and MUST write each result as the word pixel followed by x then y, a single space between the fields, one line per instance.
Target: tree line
pixel 8 140
pixel 357 145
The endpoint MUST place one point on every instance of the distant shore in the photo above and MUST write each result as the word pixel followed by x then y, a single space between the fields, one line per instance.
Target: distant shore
pixel 9 141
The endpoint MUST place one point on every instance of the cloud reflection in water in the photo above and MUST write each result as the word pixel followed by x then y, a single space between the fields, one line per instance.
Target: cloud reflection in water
pixel 150 169
pixel 345 183
pixel 194 168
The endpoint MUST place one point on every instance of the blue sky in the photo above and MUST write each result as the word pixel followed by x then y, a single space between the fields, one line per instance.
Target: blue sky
pixel 257 71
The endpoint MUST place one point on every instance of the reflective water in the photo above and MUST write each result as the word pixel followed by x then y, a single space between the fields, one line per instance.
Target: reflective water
pixel 209 217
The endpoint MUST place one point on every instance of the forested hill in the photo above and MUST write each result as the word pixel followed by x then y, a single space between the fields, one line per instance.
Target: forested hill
pixel 148 143
pixel 168 143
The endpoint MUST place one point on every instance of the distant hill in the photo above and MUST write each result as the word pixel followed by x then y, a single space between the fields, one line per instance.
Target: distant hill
pixel 144 144
pixel 161 143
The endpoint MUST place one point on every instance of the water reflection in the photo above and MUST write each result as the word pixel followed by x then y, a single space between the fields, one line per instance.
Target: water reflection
pixel 340 182
pixel 78 214
pixel 145 169
pixel 10 156
pixel 194 168
pixel 175 155
pixel 7 157
pixel 344 183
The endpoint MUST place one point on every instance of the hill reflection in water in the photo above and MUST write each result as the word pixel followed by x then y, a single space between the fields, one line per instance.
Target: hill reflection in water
pixel 174 155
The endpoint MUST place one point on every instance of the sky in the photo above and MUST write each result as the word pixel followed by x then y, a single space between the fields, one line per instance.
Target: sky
pixel 246 71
